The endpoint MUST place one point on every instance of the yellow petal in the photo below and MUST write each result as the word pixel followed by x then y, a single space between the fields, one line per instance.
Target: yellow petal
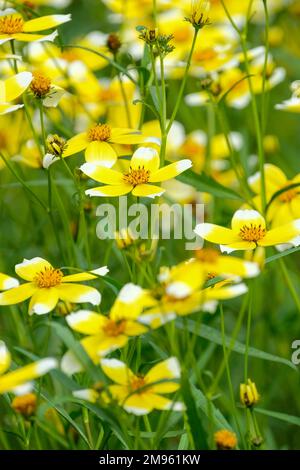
pixel 170 171
pixel 274 179
pixel 246 217
pixel 234 266
pixel 117 371
pixel 284 234
pixel 78 293
pixel 216 234
pixel 165 370
pixel 223 293
pixel 100 345
pixel 130 302
pixel 7 108
pixel 133 328
pixel 45 22
pixel 86 322
pixel 29 268
pixel 27 37
pixel 100 153
pixel 139 404
pixel 16 85
pixel 17 294
pixel 145 157
pixel 116 190
pixel 25 374
pixel 7 282
pixel 76 144
pixel 101 174
pixel 118 136
pixel 86 276
pixel 5 358
pixel 147 190
pixel 43 301
pixel 237 245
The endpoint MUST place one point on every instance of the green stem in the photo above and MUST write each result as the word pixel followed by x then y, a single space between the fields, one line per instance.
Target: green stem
pixel 289 283
pixel 183 83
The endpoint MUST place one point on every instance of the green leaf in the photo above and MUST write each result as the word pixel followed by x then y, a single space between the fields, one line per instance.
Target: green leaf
pixel 206 184
pixel 194 420
pixel 281 416
pixel 214 413
pixel 211 334
pixel 282 254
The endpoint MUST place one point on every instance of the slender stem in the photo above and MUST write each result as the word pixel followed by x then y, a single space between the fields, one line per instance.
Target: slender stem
pixel 234 410
pixel 248 333
pixel 41 110
pixel 183 83
pixel 267 47
pixel 289 283
pixel 163 112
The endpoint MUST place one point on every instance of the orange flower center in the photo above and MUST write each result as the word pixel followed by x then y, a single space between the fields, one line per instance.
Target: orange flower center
pixel 11 24
pixel 137 176
pixel 40 85
pixel 210 276
pixel 288 195
pixel 207 255
pixel 252 233
pixel 49 277
pixel 113 328
pixel 137 382
pixel 100 132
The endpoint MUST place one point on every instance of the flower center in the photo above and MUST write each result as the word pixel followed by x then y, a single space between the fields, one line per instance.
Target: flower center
pixel 49 277
pixel 137 176
pixel 11 24
pixel 207 255
pixel 211 276
pixel 252 233
pixel 40 85
pixel 137 382
pixel 100 132
pixel 288 195
pixel 113 328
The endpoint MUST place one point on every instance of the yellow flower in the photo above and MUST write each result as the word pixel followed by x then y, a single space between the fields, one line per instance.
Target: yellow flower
pixel 19 380
pixel 143 169
pixel 248 230
pixel 286 206
pixel 99 143
pixel 140 394
pixel 7 282
pixel 44 90
pixel 225 440
pixel 12 88
pixel 181 292
pixel 199 13
pixel 248 394
pixel 214 263
pixel 25 404
pixel 13 26
pixel 103 333
pixel 47 285
pixel 124 238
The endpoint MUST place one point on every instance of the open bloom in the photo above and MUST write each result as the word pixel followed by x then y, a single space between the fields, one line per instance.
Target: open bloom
pixel 47 285
pixel 248 230
pixel 292 104
pixel 143 169
pixel 181 292
pixel 19 380
pixel 285 207
pixel 44 90
pixel 13 26
pixel 12 88
pixel 140 394
pixel 7 282
pixel 104 333
pixel 100 143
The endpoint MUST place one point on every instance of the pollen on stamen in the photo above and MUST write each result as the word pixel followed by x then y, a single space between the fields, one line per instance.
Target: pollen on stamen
pixel 137 176
pixel 100 132
pixel 252 233
pixel 113 328
pixel 49 277
pixel 11 24
pixel 136 383
pixel 40 85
